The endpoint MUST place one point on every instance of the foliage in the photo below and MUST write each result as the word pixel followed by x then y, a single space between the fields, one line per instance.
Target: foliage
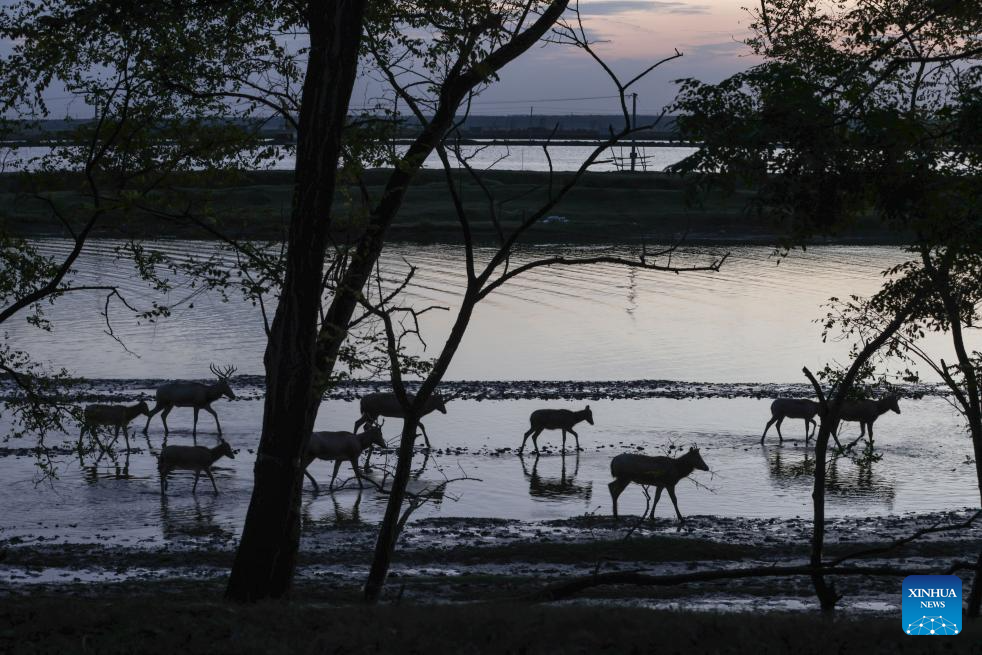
pixel 858 108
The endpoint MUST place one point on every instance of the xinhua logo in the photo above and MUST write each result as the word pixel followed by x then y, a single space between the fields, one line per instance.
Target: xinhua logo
pixel 932 605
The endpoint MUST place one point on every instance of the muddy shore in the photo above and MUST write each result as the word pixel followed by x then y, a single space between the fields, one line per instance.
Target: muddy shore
pixel 251 387
pixel 463 559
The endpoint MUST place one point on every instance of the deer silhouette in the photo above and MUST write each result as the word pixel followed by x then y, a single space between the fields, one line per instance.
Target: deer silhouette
pixel 192 394
pixel 662 472
pixel 783 408
pixel 555 419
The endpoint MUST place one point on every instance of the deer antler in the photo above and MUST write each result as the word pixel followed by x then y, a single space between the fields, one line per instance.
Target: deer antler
pixel 224 373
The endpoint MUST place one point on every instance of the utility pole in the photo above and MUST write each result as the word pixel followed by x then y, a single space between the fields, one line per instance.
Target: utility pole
pixel 531 131
pixel 634 126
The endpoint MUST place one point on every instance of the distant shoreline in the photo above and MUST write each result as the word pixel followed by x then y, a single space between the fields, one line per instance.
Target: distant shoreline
pixel 604 208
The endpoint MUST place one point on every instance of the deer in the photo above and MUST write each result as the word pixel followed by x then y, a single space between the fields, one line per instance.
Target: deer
pixel 387 404
pixel 191 458
pixel 555 419
pixel 662 472
pixel 339 447
pixel 192 394
pixel 783 408
pixel 865 412
pixel 117 416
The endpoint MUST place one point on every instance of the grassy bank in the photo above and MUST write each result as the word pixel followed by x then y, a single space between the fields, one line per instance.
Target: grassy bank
pixel 604 207
pixel 184 623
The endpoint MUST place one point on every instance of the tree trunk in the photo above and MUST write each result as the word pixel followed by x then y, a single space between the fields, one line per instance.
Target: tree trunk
pixel 826 593
pixel 975 598
pixel 941 276
pixel 266 557
pixel 389 531
pixel 827 596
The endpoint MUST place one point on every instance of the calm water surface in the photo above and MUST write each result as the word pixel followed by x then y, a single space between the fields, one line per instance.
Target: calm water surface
pixel 753 321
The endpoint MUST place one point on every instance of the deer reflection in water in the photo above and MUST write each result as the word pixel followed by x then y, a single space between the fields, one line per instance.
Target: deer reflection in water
pixel 340 515
pixel 565 486
pixel 114 469
pixel 191 516
pixel 845 477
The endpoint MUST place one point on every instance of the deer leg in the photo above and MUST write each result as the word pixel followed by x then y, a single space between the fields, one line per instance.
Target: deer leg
pixel 194 426
pixel 194 487
pixel 312 480
pixel 212 478
pixel 208 409
pixel 675 501
pixel 526 438
pixel 870 430
pixel 163 418
pixel 425 438
pixel 98 441
pixel 564 442
pixel 354 465
pixel 658 491
pixel 535 440
pixel 361 421
pixel 163 481
pixel 577 437
pixel 780 437
pixel 126 435
pixel 766 428
pixel 157 409
pixel 616 487
pixel 337 467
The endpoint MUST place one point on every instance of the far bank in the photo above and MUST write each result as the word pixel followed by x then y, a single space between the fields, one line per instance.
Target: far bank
pixel 604 207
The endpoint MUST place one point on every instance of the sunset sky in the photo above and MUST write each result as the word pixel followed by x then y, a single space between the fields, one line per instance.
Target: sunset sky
pixel 709 34
pixel 637 33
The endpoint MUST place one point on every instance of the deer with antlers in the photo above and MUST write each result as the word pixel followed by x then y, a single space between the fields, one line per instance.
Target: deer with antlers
pixel 193 394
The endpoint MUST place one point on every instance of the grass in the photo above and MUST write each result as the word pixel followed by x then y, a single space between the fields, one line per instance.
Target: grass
pixel 603 207
pixel 180 623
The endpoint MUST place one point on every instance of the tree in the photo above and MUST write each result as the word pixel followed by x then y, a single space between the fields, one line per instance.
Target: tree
pixel 859 110
pixel 482 278
pixel 141 140
pixel 242 62
pixel 464 48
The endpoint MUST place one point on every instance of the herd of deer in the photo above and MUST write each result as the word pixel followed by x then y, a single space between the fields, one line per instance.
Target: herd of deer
pixel 663 473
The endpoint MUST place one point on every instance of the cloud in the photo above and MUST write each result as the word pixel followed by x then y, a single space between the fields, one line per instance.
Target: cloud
pixel 614 7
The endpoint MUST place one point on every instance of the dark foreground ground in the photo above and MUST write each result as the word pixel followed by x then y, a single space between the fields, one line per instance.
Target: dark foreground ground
pixel 466 586
pixel 188 623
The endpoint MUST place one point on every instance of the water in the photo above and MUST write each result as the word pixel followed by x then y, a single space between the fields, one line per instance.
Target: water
pixel 753 322
pixel 923 469
pixel 499 157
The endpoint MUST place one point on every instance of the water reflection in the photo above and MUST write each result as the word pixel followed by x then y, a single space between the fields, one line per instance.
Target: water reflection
pixel 340 515
pixel 114 469
pixel 553 488
pixel 845 477
pixel 191 516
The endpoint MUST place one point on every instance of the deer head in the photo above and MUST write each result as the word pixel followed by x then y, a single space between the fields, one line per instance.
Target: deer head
pixel 375 436
pixel 696 459
pixel 223 375
pixel 892 403
pixel 438 404
pixel 225 448
pixel 588 414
